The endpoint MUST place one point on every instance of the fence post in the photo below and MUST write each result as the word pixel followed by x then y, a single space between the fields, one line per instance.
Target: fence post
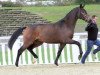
pixel 75 50
pixel 75 53
pixel 29 58
pixel 23 58
pixel 36 54
pixel 45 53
pixel 51 53
pixel 9 57
pixel 40 55
pixel 56 51
pixel 3 54
pixel 63 57
pixel 15 48
pixel 68 54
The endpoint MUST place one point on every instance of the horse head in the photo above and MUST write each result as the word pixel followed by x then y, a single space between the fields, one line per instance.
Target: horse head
pixel 82 13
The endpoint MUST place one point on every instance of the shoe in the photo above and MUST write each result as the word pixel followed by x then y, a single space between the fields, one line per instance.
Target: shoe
pixel 82 62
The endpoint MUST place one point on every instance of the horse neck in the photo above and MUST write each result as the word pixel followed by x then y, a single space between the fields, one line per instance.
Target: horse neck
pixel 71 19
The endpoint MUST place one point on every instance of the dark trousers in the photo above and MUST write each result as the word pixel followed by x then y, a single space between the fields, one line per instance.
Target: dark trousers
pixel 90 44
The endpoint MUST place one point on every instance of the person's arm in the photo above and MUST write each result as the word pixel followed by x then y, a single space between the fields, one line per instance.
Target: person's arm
pixel 89 26
pixel 86 29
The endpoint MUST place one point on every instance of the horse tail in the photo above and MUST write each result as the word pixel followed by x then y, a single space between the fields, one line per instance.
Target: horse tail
pixel 15 36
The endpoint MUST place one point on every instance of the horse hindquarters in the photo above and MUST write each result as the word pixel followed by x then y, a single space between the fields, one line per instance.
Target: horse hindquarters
pixel 29 41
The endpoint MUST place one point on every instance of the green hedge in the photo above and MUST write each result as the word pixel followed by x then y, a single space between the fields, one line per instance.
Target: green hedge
pixel 87 1
pixel 10 4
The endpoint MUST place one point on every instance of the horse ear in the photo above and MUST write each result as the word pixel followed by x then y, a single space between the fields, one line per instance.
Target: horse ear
pixel 82 5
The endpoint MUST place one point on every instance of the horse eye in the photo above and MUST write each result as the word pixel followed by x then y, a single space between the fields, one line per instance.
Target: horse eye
pixel 82 13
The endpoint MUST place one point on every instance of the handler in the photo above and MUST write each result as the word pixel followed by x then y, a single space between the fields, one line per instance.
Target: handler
pixel 92 30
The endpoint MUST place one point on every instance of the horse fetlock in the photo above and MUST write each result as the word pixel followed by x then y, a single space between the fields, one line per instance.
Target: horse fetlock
pixel 81 52
pixel 56 63
pixel 79 57
pixel 34 60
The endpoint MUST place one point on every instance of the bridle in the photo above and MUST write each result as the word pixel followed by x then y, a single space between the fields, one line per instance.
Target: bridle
pixel 86 17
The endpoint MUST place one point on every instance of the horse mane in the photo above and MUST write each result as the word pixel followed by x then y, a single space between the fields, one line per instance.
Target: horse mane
pixel 61 21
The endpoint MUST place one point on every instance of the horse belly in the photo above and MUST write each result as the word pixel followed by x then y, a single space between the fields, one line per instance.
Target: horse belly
pixel 56 38
pixel 52 38
pixel 49 38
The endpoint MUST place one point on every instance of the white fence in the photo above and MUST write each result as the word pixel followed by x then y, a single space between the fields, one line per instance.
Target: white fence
pixel 46 52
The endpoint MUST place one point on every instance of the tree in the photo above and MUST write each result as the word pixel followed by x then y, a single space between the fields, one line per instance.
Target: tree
pixel 85 1
pixel 97 0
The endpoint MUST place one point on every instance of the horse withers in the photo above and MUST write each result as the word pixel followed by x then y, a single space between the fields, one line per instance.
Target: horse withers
pixel 60 32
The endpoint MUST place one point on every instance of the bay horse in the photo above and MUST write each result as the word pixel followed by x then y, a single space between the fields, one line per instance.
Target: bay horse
pixel 60 32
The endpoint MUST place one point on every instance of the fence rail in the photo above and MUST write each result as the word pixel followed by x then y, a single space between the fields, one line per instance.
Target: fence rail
pixel 46 52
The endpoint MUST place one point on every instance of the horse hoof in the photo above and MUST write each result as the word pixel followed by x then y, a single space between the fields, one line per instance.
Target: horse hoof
pixel 16 65
pixel 79 57
pixel 56 63
pixel 34 60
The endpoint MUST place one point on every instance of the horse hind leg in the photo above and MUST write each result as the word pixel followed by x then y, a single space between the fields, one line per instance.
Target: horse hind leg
pixel 31 47
pixel 20 51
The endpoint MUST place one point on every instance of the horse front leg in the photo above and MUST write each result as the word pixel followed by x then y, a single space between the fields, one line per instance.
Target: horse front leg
pixel 80 48
pixel 59 53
